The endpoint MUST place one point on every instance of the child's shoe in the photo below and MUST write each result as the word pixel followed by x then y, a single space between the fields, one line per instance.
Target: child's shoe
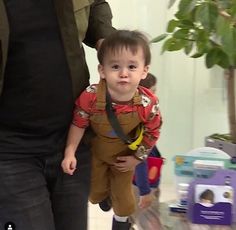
pixel 116 225
pixel 105 205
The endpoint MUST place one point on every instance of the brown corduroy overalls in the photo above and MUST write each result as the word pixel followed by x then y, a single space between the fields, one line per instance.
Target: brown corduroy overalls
pixel 106 180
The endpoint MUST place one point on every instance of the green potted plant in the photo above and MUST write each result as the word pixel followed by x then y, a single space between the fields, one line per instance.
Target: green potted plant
pixel 208 28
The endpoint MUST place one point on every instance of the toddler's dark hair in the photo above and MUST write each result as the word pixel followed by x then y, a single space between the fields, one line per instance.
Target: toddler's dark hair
pixel 125 39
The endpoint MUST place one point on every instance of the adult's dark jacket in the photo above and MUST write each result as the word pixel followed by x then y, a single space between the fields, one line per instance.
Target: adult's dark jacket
pixel 90 22
pixel 30 126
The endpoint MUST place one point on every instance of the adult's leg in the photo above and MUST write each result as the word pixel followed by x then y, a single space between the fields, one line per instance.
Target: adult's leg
pixel 24 198
pixel 69 194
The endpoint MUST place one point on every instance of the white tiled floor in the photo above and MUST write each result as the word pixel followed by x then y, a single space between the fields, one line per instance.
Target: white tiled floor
pixel 99 220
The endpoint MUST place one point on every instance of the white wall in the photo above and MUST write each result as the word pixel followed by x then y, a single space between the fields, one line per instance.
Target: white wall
pixel 192 98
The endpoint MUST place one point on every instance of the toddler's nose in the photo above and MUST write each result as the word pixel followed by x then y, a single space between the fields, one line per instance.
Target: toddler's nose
pixel 124 72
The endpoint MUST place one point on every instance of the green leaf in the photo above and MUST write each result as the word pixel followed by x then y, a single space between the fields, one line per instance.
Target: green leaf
pixel 224 61
pixel 172 44
pixel 222 26
pixel 207 14
pixel 229 41
pixel 188 47
pixel 197 55
pixel 213 57
pixel 198 26
pixel 186 6
pixel 187 23
pixel 159 38
pixel 181 34
pixel 172 25
pixel 233 11
pixel 180 16
pixel 202 46
pixel 225 4
pixel 201 35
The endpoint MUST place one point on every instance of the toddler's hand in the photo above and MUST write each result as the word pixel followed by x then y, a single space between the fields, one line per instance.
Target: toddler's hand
pixel 69 164
pixel 126 163
pixel 146 200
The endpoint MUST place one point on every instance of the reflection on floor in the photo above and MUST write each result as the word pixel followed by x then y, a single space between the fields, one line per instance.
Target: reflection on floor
pixel 99 220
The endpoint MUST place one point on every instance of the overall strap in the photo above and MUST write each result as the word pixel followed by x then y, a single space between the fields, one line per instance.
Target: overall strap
pixel 101 95
pixel 114 121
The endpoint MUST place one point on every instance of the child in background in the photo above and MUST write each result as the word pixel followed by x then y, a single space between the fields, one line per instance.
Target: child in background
pixel 150 82
pixel 147 194
pixel 124 59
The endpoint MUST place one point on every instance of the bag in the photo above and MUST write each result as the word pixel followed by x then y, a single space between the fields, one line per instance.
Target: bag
pixel 154 170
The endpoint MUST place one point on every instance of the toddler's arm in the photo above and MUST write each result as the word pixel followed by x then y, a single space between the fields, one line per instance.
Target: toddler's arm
pixel 74 137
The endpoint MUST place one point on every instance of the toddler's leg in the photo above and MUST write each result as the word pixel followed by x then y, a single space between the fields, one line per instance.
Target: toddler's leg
pixel 99 181
pixel 122 195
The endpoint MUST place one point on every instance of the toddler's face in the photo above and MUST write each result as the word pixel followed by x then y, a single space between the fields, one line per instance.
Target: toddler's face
pixel 123 70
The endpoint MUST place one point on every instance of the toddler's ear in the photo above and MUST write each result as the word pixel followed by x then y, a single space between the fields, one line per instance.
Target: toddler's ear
pixel 101 71
pixel 145 71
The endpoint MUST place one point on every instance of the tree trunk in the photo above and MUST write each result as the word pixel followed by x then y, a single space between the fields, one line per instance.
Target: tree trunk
pixel 231 102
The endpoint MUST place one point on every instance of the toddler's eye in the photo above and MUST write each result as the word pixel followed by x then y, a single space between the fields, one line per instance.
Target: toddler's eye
pixel 115 67
pixel 132 67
